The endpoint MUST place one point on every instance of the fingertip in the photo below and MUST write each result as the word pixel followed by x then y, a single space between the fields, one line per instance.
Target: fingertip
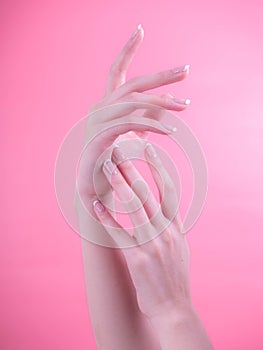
pixel 141 30
pixel 138 33
pixel 186 68
pixel 98 207
pixel 150 150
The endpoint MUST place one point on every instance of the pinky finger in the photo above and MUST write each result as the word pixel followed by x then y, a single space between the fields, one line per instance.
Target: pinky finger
pixel 167 101
pixel 121 237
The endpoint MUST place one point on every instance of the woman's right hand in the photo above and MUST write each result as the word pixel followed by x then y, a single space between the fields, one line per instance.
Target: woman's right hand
pixel 103 120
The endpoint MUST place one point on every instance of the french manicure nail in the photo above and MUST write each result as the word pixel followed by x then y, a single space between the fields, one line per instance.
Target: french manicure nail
pixel 169 127
pixel 181 69
pixel 181 101
pixel 110 167
pixel 139 27
pixel 98 206
pixel 150 150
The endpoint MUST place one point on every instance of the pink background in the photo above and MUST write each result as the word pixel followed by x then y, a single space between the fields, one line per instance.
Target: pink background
pixel 55 57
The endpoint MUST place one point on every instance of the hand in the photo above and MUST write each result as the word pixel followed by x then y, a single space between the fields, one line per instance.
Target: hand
pixel 159 268
pixel 118 90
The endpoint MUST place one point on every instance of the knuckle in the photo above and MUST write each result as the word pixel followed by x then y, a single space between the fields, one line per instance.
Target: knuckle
pixel 135 204
pixel 115 68
pixel 166 236
pixel 162 75
pixel 166 99
pixel 134 95
pixel 116 180
pixel 133 83
pixel 141 188
pixel 127 165
pixel 157 220
pixel 140 260
pixel 155 249
pixel 145 230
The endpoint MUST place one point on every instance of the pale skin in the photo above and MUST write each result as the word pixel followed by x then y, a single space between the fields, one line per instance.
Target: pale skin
pixel 130 306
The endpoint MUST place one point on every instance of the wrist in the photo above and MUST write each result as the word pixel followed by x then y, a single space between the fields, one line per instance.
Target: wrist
pixel 173 314
pixel 181 327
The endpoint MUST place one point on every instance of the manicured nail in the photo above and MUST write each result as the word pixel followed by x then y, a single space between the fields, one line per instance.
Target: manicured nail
pixel 181 69
pixel 150 150
pixel 169 127
pixel 98 206
pixel 180 101
pixel 139 27
pixel 118 154
pixel 110 167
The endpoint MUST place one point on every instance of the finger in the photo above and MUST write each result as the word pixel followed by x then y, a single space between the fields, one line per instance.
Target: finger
pixel 135 180
pixel 137 136
pixel 167 101
pixel 164 183
pixel 151 81
pixel 120 114
pixel 159 113
pixel 121 108
pixel 129 199
pixel 147 114
pixel 119 235
pixel 118 70
pixel 111 130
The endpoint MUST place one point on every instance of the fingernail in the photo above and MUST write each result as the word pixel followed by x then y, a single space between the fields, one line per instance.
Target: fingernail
pixel 181 69
pixel 150 150
pixel 169 127
pixel 181 101
pixel 118 155
pixel 139 27
pixel 110 167
pixel 98 206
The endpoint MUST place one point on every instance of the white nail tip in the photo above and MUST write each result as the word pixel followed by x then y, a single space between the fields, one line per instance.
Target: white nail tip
pixel 186 67
pixel 169 127
pixel 139 28
pixel 187 101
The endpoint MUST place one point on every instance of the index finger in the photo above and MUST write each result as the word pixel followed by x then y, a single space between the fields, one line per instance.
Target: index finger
pixel 118 70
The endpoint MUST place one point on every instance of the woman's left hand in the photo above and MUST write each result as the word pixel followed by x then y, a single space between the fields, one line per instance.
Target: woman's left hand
pixel 158 263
